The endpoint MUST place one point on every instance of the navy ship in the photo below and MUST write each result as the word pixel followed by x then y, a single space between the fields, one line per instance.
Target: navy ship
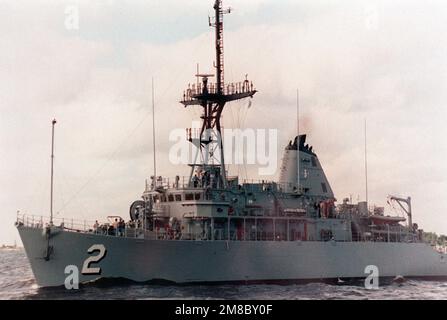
pixel 211 227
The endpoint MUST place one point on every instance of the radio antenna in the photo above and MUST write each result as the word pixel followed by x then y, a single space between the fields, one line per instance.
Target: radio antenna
pixel 366 168
pixel 153 132
pixel 298 139
pixel 52 171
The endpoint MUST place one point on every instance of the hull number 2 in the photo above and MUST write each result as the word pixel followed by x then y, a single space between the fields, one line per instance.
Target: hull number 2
pixel 86 268
pixel 72 271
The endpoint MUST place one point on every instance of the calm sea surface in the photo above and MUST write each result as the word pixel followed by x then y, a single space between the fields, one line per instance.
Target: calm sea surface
pixel 17 282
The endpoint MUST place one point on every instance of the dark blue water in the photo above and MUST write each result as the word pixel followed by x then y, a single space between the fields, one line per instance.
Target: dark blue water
pixel 17 282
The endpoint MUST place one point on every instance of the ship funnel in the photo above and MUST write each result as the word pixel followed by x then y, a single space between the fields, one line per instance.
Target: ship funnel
pixel 312 180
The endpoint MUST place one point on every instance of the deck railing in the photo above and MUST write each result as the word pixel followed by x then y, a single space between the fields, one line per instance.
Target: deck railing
pixel 133 230
pixel 35 221
pixel 212 88
pixel 129 230
pixel 183 182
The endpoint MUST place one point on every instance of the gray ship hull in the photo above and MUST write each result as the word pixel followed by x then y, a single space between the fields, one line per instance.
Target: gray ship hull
pixel 225 261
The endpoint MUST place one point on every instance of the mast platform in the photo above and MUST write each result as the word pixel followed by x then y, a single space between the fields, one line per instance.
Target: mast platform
pixel 197 95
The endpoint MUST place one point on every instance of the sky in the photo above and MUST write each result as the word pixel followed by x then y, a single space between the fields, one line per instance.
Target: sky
pixel 383 61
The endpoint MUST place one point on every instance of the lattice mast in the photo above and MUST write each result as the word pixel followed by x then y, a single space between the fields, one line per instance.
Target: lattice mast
pixel 213 97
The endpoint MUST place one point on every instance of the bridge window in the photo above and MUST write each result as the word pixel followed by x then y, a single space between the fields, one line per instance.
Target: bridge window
pixel 178 197
pixel 170 197
pixel 197 196
pixel 323 186
pixel 189 196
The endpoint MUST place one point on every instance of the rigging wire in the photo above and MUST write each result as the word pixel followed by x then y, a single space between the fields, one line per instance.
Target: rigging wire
pixel 114 153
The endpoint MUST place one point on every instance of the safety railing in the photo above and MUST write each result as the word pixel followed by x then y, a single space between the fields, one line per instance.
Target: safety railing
pixel 194 90
pixel 35 221
pixel 179 182
pixel 128 229
pixel 183 182
pixel 137 230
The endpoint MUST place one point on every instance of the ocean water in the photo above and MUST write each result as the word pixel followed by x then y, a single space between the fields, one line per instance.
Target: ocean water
pixel 17 282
